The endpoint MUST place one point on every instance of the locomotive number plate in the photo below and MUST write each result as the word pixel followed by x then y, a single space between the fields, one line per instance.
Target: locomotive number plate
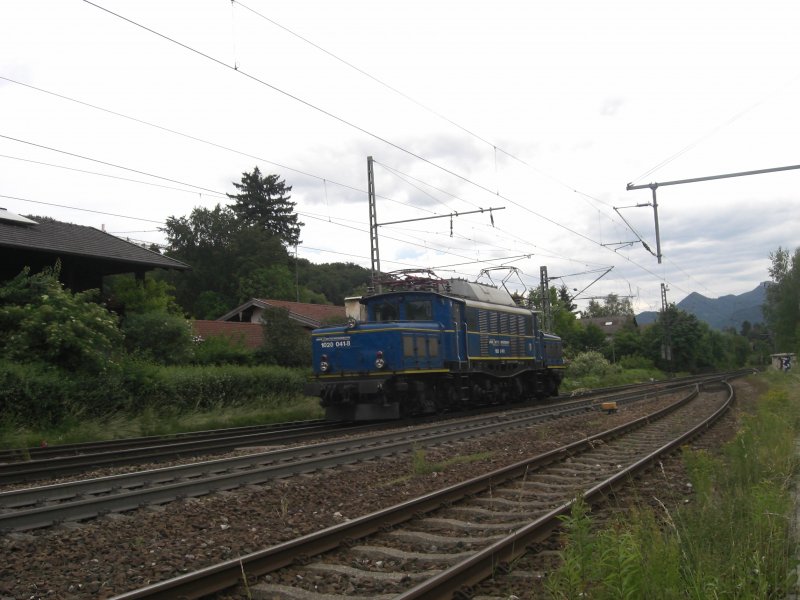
pixel 342 341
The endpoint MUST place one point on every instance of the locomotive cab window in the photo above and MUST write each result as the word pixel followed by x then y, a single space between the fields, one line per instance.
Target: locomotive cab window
pixel 386 311
pixel 419 310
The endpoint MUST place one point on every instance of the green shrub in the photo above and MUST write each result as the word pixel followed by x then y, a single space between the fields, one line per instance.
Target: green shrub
pixel 41 321
pixel 219 350
pixel 590 363
pixel 180 389
pixel 35 395
pixel 127 295
pixel 158 336
pixel 636 361
pixel 285 342
pixel 730 539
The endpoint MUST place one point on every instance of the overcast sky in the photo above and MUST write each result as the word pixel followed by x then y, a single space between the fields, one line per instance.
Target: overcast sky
pixel 544 111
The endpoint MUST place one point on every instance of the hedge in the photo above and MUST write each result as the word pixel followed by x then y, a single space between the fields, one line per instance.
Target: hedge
pixel 34 394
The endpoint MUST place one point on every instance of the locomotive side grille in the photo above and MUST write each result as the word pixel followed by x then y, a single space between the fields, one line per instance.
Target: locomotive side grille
pixel 483 327
pixel 517 343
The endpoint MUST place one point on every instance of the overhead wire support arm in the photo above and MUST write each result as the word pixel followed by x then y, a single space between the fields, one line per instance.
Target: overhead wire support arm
pixel 636 233
pixel 656 185
pixel 653 186
pixel 449 215
pixel 603 274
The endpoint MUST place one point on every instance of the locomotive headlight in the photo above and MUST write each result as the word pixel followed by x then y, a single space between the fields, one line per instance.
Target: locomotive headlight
pixel 323 363
pixel 379 362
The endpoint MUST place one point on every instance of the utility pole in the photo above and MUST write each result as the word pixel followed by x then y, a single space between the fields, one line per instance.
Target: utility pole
pixel 547 312
pixel 666 345
pixel 373 224
pixel 373 227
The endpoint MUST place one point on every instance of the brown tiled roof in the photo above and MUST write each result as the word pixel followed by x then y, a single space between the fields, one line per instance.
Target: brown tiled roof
pixel 55 237
pixel 609 325
pixel 313 312
pixel 250 334
pixel 309 315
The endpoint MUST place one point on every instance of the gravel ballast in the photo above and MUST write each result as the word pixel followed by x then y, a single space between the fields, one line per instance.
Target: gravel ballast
pixel 117 553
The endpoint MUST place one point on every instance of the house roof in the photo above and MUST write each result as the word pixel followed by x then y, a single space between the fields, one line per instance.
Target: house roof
pixel 310 315
pixel 250 334
pixel 609 325
pixel 55 237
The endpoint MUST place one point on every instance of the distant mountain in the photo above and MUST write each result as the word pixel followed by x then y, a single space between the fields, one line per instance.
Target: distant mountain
pixel 719 313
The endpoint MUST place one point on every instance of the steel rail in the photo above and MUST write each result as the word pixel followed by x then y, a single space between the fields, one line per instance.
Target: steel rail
pixel 52 451
pixel 158 486
pixel 37 470
pixel 36 507
pixel 227 574
pixel 102 485
pixel 497 556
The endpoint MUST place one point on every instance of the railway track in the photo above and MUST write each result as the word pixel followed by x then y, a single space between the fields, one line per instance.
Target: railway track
pixel 434 546
pixel 60 461
pixel 43 506
pixel 51 462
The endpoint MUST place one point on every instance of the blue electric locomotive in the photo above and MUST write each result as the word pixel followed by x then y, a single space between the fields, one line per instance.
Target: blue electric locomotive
pixel 429 345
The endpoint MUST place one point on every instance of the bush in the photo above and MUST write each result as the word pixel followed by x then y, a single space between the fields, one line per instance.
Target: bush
pixel 285 342
pixel 589 364
pixel 41 321
pixel 127 295
pixel 218 350
pixel 35 394
pixel 636 362
pixel 40 395
pixel 178 389
pixel 158 336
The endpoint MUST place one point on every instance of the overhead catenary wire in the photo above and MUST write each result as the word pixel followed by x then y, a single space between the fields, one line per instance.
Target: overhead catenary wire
pixel 98 212
pixel 110 164
pixel 535 213
pixel 196 138
pixel 265 160
pixel 495 148
pixel 342 120
pixel 117 177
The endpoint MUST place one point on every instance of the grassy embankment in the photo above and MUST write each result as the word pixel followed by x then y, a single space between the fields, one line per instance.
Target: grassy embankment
pixel 46 405
pixel 733 539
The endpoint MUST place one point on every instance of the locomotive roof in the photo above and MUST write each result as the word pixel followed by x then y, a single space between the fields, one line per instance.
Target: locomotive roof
pixel 472 290
pixel 459 288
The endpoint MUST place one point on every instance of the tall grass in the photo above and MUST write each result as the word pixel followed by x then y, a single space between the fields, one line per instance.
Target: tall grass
pixel 43 404
pixel 75 429
pixel 733 540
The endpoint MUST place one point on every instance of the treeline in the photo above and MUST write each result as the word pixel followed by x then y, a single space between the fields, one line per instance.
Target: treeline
pixel 129 347
pixel 242 251
pixel 677 341
pixel 782 308
pixel 65 354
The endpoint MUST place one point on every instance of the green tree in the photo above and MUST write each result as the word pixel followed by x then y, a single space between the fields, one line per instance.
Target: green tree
pixel 685 332
pixel 125 294
pixel 227 260
pixel 565 323
pixel 782 306
pixel 264 203
pixel 237 252
pixel 203 240
pixel 628 342
pixel 592 338
pixel 42 321
pixel 158 337
pixel 613 306
pixel 285 342
pixel 335 281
